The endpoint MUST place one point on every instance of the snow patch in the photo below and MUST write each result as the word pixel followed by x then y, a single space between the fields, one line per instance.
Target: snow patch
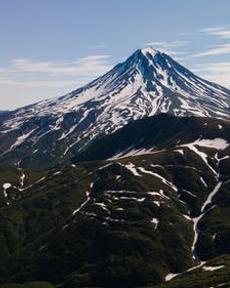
pixel 131 167
pixel 6 186
pixel 216 143
pixel 155 221
pixel 170 276
pixel 165 181
pixel 212 268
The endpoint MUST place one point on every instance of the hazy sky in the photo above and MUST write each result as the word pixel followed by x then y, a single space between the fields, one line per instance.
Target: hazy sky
pixel 50 47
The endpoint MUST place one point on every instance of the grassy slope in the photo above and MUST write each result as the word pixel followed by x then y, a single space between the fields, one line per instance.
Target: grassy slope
pixel 114 244
pixel 199 278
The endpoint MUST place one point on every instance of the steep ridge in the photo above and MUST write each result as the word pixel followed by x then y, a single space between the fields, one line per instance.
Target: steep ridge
pixel 156 133
pixel 130 221
pixel 147 83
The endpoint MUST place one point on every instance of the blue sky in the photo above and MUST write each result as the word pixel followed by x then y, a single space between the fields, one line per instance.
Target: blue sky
pixel 50 47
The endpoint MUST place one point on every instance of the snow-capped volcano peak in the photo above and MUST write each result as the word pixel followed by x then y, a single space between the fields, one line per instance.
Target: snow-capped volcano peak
pixel 149 50
pixel 144 56
pixel 147 83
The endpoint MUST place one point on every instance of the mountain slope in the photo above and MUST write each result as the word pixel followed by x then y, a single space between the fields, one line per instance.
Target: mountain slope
pixel 215 273
pixel 147 83
pixel 127 222
pixel 156 133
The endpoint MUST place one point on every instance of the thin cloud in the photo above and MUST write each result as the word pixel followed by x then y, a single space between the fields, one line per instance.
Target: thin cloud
pixel 218 72
pixel 19 93
pixel 37 83
pixel 87 66
pixel 220 31
pixel 38 80
pixel 169 47
pixel 219 50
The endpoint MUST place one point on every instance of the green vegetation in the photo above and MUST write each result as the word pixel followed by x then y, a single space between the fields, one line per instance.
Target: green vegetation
pixel 199 278
pixel 121 223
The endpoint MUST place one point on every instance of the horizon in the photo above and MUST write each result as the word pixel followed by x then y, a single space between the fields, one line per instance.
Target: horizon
pixel 50 48
pixel 55 97
pixel 123 61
